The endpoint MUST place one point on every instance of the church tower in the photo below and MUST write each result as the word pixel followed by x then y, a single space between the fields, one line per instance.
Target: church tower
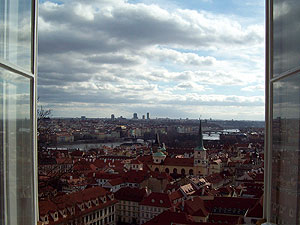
pixel 156 145
pixel 200 154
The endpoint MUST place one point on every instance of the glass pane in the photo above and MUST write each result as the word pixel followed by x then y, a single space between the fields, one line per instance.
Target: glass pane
pixel 15 32
pixel 286 35
pixel 16 150
pixel 285 194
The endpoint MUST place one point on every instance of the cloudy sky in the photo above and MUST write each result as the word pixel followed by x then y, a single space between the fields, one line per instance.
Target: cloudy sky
pixel 171 58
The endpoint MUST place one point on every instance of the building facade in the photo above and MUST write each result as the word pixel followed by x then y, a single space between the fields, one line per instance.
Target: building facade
pixel 92 206
pixel 127 210
pixel 18 70
pixel 282 192
pixel 153 205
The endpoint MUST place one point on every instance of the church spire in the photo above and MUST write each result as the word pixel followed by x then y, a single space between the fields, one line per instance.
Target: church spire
pixel 157 142
pixel 200 146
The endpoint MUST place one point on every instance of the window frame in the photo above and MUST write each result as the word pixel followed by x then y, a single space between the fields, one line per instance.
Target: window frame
pixel 32 76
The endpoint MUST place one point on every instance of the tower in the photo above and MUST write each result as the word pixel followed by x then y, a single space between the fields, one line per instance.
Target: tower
pixel 200 154
pixel 158 157
pixel 156 144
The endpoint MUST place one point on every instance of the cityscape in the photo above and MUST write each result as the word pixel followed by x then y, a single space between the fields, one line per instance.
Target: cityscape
pixel 122 171
pixel 149 112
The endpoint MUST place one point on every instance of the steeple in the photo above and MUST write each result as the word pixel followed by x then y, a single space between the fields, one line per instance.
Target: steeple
pixel 200 146
pixel 156 144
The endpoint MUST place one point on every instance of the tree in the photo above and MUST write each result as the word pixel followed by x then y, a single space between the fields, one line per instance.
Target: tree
pixel 43 130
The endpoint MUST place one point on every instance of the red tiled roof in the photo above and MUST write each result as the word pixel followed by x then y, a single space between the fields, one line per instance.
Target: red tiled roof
pixel 158 200
pixel 64 161
pixel 131 194
pixel 214 178
pixel 175 195
pixel 195 207
pixel 170 187
pixel 257 210
pixel 77 153
pixel 135 161
pixel 145 159
pixel 99 163
pixel 135 176
pixel 160 176
pixel 116 181
pixel 46 207
pixel 82 165
pixel 63 201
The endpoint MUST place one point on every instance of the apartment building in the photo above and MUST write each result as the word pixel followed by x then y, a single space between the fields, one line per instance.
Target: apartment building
pixel 128 206
pixel 154 205
pixel 92 206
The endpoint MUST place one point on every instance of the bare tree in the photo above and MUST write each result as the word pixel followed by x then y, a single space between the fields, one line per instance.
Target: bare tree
pixel 43 130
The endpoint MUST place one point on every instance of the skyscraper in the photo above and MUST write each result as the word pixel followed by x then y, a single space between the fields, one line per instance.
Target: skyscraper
pixel 282 167
pixel 18 71
pixel 135 117
pixel 148 116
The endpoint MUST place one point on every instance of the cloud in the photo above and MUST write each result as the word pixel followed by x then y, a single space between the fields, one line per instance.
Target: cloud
pixel 114 53
pixel 254 88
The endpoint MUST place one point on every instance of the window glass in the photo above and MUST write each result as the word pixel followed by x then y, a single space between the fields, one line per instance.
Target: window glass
pixel 286 33
pixel 15 32
pixel 16 150
pixel 285 151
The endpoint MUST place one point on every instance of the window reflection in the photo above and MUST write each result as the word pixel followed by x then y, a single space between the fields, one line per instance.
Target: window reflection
pixel 286 33
pixel 285 193
pixel 16 144
pixel 15 32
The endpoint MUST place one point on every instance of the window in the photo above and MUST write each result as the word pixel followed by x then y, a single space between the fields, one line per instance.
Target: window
pixel 15 42
pixel 282 112
pixel 18 166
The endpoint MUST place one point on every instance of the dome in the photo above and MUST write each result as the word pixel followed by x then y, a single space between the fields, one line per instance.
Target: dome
pixel 159 154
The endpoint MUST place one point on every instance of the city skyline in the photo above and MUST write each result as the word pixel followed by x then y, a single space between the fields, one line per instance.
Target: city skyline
pixel 170 58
